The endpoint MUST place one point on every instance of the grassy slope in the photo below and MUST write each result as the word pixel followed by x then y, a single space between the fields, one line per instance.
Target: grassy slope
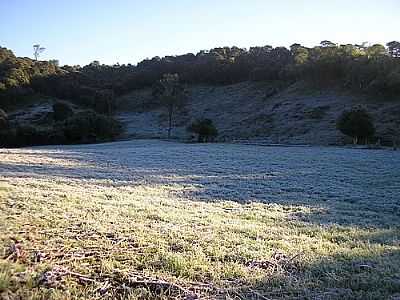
pixel 148 240
pixel 297 114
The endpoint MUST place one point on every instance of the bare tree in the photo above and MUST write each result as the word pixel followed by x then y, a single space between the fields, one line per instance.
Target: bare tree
pixel 37 50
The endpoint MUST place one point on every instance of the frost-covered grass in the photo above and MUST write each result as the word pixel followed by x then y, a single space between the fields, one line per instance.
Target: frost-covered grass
pixel 146 219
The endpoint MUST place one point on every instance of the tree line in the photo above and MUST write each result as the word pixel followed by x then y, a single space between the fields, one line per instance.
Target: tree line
pixel 372 69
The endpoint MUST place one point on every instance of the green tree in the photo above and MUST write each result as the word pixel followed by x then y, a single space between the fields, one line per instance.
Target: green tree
pixel 350 51
pixel 172 95
pixel 88 126
pixel 357 124
pixel 376 50
pixel 300 54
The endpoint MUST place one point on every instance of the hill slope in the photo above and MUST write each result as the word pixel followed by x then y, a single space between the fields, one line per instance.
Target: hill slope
pixel 249 110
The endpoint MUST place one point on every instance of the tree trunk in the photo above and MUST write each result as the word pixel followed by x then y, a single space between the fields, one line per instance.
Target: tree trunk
pixel 170 112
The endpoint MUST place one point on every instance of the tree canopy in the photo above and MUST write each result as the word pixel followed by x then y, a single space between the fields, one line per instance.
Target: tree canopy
pixel 357 124
pixel 371 69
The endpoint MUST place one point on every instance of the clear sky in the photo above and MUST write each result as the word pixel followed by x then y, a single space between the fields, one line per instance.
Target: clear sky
pixel 127 31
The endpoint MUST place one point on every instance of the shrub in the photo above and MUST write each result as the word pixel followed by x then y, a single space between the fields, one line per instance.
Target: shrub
pixel 357 124
pixel 83 127
pixel 7 138
pixel 24 135
pixel 62 111
pixel 88 126
pixel 205 130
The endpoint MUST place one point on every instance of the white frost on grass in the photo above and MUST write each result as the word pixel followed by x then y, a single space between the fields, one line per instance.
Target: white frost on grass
pixel 341 182
pixel 243 111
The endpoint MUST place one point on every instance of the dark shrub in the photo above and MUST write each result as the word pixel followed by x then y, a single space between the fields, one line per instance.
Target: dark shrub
pixel 62 111
pixel 83 127
pixel 7 138
pixel 88 126
pixel 205 130
pixel 24 135
pixel 357 124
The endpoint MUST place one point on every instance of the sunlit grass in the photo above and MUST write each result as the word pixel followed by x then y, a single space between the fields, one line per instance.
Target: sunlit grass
pixel 222 249
pixel 89 222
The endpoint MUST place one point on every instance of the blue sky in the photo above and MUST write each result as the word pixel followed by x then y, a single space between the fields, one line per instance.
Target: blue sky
pixel 127 31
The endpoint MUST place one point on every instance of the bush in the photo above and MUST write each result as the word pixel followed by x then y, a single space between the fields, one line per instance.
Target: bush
pixel 28 135
pixel 83 127
pixel 24 135
pixel 7 138
pixel 62 111
pixel 88 126
pixel 357 124
pixel 205 130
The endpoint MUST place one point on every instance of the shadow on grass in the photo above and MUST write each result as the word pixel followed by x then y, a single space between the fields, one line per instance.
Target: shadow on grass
pixel 367 267
pixel 345 186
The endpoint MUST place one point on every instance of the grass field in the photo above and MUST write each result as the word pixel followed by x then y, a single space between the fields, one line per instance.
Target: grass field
pixel 159 220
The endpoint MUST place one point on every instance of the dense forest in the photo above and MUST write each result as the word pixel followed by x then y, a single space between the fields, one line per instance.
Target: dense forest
pixel 368 69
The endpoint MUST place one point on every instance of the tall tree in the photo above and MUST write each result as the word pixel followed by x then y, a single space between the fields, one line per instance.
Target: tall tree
pixel 37 50
pixel 172 95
